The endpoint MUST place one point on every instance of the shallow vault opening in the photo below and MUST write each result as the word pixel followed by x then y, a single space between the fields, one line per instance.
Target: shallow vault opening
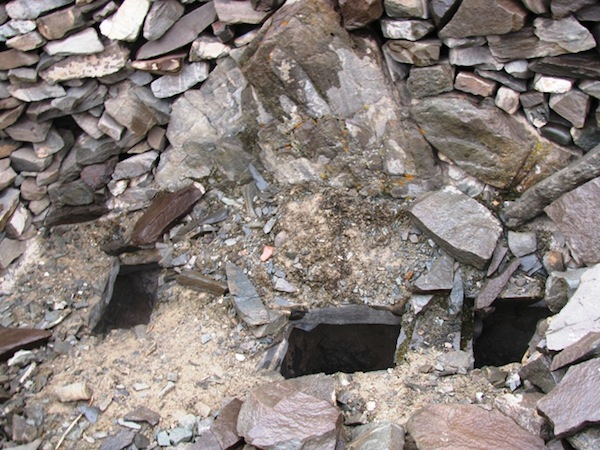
pixel 133 298
pixel 346 339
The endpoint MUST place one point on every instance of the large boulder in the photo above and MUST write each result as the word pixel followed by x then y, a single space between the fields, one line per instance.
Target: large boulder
pixel 296 101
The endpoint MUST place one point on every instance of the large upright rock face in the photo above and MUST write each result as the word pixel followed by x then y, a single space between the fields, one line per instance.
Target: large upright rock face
pixel 303 85
pixel 497 148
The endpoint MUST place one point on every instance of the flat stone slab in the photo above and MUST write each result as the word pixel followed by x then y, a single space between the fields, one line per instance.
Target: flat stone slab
pixel 439 278
pixel 575 214
pixel 585 348
pixel 454 426
pixel 460 225
pixel 246 299
pixel 573 403
pixel 13 339
pixel 581 314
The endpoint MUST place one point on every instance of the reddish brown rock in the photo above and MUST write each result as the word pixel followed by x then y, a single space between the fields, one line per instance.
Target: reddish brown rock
pixel 13 339
pixel 575 402
pixel 452 427
pixel 223 433
pixel 585 348
pixel 360 13
pixel 11 59
pixel 163 212
pixel 59 23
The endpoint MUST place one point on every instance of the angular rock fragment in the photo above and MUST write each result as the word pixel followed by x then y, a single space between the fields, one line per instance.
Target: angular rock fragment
pixel 35 92
pixel 58 24
pixel 431 80
pixel 10 59
pixel 453 426
pixel 439 278
pixel 238 12
pixel 26 42
pixel 553 85
pixel 10 250
pixel 200 282
pixel 143 414
pixel 378 436
pixel 162 15
pixel 184 31
pixel 170 85
pixel 246 300
pixel 132 112
pixel 126 23
pixel 574 402
pixel 573 105
pixel 291 414
pixel 410 30
pixel 482 18
pixel 32 9
pixel 110 61
pixel 9 117
pixel 165 209
pixel 580 316
pixel 358 14
pixel 441 11
pixel 522 243
pixel 507 100
pixel 460 225
pixel 7 174
pixel 572 214
pixel 536 370
pixel 25 160
pixel 29 131
pixel 84 42
pixel 222 434
pixel 13 339
pixel 406 8
pixel 587 438
pixel 421 53
pixel 585 348
pixel 472 84
pixel 494 286
pixel 135 166
pixel 480 57
pixel 522 408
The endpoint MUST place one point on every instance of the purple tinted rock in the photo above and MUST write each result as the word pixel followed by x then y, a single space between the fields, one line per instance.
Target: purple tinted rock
pixel 585 348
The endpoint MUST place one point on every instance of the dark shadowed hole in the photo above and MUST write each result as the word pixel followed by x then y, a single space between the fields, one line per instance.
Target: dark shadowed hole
pixel 506 333
pixel 133 299
pixel 340 348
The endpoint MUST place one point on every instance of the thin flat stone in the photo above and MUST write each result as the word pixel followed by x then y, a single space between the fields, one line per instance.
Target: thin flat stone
pixel 184 31
pixel 118 441
pixel 580 316
pixel 7 174
pixel 425 52
pixel 201 282
pixel 573 105
pixel 143 414
pixel 9 201
pixel 503 78
pixel 456 426
pixel 586 439
pixel 460 225
pixel 126 23
pixel 246 300
pixel 162 15
pixel 135 166
pixel 585 348
pixel 473 84
pixel 479 56
pixel 574 402
pixel 170 64
pixel 26 42
pixel 164 211
pixel 494 286
pixel 439 278
pixel 85 42
pixel 59 23
pixel 573 213
pixel 35 92
pixel 29 131
pixel 378 435
pixel 224 428
pixel 10 116
pixel 238 12
pixel 13 339
pixel 131 112
pixel 170 85
pixel 567 33
pixel 32 9
pixel 11 59
pixel 110 126
pixel 411 30
pixel 208 48
pixel 111 60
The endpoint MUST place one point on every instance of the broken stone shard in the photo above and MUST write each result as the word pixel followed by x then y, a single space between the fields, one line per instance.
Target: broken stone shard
pixel 126 23
pixel 439 278
pixel 378 435
pixel 494 286
pixel 203 283
pixel 164 211
pixel 246 299
pixel 85 42
pixel 574 402
pixel 460 225
pixel 572 213
pixel 291 414
pixel 189 76
pixel 162 15
pixel 585 348
pixel 449 427
pixel 13 339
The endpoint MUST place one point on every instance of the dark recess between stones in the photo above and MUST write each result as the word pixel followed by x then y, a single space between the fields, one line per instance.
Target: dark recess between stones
pixel 340 348
pixel 506 333
pixel 133 298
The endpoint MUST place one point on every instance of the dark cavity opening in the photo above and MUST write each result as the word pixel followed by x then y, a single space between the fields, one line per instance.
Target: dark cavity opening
pixel 133 299
pixel 340 348
pixel 505 333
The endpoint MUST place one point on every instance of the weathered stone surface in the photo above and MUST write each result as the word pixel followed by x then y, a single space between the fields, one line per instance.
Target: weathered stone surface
pixel 162 15
pixel 35 92
pixel 474 56
pixel 163 65
pixel 532 201
pixel 522 243
pixel 553 85
pixel 560 286
pixel 31 191
pixel 580 316
pixel 135 166
pixel 522 409
pixel 22 74
pixel 406 8
pixel 442 11
pixel 482 18
pixel 431 80
pixel 574 402
pixel 590 87
pixel 224 428
pixel 588 438
pixel 460 225
pixel 122 439
pixel 9 117
pixel 494 286
pixel 29 131
pixel 10 59
pixel 572 213
pixel 447 426
pixel 88 150
pixel 536 370
pixel 7 174
pixel 567 33
pixel 143 414
pixel 59 23
pixel 170 85
pixel 207 48
pixel 378 436
pixel 573 105
pixel 13 339
pixel 562 8
pixel 32 9
pixel 110 126
pixel 182 32
pixel 238 12
pixel 84 42
pixel 76 193
pixel 165 209
pixel 507 100
pixel 246 300
pixel 200 282
pixel 26 42
pixel 129 110
pixel 503 78
pixel 9 200
pixel 485 142
pixel 110 61
pixel 457 361
pixel 518 69
pixel 410 30
pixel 472 84
pixel 585 348
pixel 420 53
pixel 98 175
pixel 126 23
pixel 290 414
pixel 359 13
pixel 537 6
pixel 439 278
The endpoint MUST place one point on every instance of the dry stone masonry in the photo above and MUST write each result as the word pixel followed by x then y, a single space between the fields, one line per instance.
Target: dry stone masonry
pixel 459 105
